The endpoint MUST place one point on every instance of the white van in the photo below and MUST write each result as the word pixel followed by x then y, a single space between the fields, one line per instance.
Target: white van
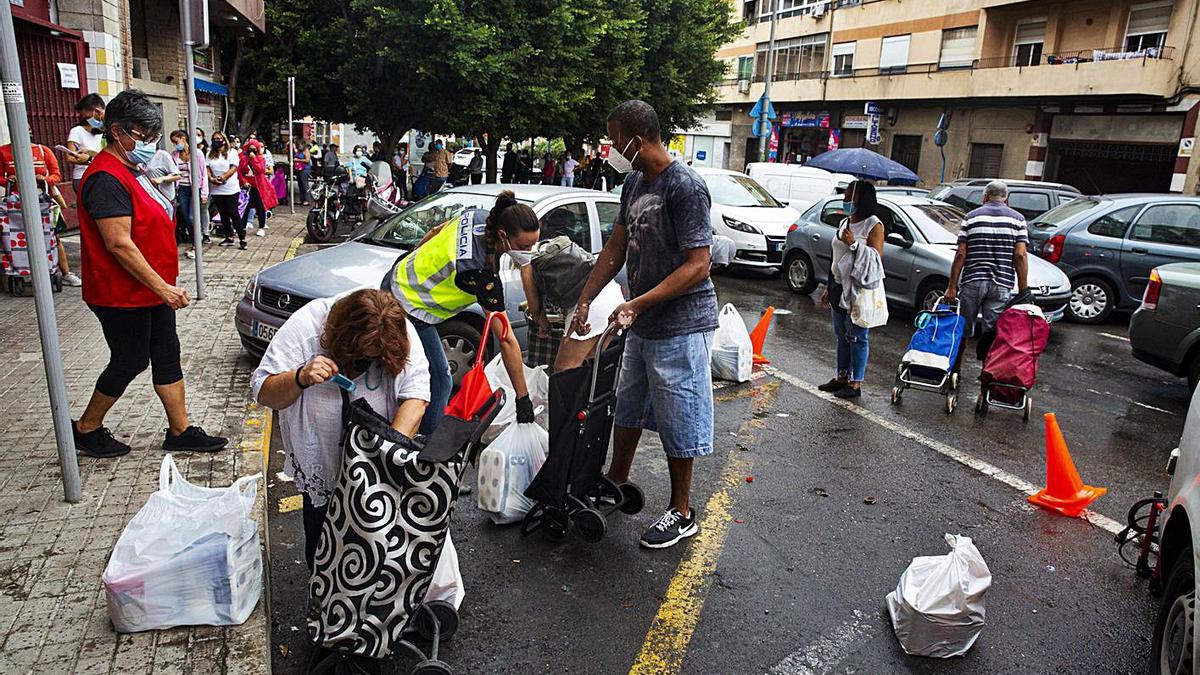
pixel 798 186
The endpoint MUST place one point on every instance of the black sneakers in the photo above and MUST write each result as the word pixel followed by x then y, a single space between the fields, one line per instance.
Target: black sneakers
pixel 193 439
pixel 848 392
pixel 670 529
pixel 98 443
pixel 832 385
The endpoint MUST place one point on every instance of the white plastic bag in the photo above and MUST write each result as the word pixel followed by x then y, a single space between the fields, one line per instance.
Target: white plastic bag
pixel 732 351
pixel 447 582
pixel 507 467
pixel 190 556
pixel 536 380
pixel 870 307
pixel 937 608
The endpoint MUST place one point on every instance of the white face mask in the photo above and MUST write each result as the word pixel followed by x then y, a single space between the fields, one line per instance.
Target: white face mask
pixel 520 258
pixel 619 162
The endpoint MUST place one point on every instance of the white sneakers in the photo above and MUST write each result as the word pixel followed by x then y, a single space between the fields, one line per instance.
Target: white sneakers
pixel 71 279
pixel 262 232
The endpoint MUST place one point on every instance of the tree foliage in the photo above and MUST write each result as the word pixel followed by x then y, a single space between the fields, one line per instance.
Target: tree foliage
pixel 483 68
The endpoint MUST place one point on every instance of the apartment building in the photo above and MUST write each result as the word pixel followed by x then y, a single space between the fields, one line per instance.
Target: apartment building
pixel 1101 94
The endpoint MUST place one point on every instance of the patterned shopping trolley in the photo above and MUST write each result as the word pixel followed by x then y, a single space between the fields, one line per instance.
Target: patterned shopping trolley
pixel 14 245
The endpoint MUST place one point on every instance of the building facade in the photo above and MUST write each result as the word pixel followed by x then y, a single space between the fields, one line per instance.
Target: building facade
pixel 1100 94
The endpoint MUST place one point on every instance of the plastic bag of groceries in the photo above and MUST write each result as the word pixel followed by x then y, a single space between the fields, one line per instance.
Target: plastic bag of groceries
pixel 190 556
pixel 507 467
pixel 732 351
pixel 538 383
pixel 447 581
pixel 937 608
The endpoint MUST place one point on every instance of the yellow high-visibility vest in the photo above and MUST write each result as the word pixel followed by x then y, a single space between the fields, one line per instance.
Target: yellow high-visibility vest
pixel 424 280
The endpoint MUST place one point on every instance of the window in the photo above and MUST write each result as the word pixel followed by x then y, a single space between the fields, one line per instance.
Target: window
pixel 833 214
pixel 1175 224
pixel 1064 198
pixel 974 199
pixel 793 7
pixel 1029 204
pixel 749 10
pixel 1114 224
pixel 958 48
pixel 894 56
pixel 1027 46
pixel 985 160
pixel 907 150
pixel 571 220
pixel 745 67
pixel 406 228
pixel 796 58
pixel 843 59
pixel 608 213
pixel 1148 24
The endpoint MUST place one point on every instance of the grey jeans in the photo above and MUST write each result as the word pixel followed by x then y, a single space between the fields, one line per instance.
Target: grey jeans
pixel 982 296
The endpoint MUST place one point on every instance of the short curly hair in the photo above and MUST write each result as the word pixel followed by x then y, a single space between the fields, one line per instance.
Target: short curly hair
pixel 367 323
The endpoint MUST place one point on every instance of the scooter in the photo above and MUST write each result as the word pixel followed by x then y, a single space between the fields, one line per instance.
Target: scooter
pixel 358 203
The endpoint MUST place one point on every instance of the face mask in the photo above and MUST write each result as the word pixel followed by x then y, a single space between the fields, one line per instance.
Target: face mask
pixel 95 123
pixel 848 208
pixel 218 143
pixel 361 365
pixel 521 258
pixel 142 152
pixel 619 162
pixel 179 147
pixel 357 153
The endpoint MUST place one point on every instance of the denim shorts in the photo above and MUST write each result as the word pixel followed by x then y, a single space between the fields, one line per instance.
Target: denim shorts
pixel 982 297
pixel 666 386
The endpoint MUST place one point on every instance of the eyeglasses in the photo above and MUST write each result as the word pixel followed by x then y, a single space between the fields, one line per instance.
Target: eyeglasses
pixel 139 136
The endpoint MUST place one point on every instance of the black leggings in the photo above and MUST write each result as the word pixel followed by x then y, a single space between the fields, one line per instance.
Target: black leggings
pixel 231 220
pixel 138 337
pixel 256 203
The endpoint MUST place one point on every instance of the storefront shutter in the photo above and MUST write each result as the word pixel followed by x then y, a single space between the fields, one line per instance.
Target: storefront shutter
pixel 958 48
pixel 1032 32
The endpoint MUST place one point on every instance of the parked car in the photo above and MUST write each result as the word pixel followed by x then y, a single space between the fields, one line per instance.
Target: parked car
pixel 1030 198
pixel 1175 629
pixel 746 213
pixel 1165 329
pixel 901 190
pixel 798 186
pixel 922 237
pixel 1107 245
pixel 586 216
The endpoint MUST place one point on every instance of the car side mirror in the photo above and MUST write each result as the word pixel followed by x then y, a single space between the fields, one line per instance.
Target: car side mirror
pixel 897 239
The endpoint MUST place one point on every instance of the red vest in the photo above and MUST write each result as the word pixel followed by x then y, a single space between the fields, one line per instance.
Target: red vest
pixel 152 229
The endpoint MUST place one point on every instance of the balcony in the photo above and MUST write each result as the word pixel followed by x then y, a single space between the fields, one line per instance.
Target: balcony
pixel 1092 72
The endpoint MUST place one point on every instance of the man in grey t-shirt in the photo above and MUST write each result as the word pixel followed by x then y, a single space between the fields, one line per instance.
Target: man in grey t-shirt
pixel 663 235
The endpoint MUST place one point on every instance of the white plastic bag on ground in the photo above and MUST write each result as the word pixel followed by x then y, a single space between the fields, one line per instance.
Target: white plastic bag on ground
pixel 447 582
pixel 937 608
pixel 732 351
pixel 536 380
pixel 190 556
pixel 507 467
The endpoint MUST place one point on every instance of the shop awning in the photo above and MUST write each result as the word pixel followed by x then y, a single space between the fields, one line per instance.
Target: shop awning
pixel 211 87
pixel 223 12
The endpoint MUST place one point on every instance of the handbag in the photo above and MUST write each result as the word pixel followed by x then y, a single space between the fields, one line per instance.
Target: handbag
pixel 870 307
pixel 475 389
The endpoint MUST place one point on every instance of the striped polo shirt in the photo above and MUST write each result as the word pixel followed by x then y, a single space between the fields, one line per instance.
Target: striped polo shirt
pixel 991 232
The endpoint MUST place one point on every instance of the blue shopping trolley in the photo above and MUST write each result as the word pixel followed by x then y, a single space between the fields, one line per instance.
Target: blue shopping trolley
pixel 928 364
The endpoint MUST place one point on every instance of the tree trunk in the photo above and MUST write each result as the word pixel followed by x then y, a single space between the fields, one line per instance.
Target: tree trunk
pixel 489 150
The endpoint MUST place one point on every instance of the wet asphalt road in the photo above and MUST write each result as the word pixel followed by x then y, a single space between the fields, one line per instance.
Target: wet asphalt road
pixel 797 584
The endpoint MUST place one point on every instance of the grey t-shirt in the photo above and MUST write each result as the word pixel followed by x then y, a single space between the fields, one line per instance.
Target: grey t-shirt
pixel 663 218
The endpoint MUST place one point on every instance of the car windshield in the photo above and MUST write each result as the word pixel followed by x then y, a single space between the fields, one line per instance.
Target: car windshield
pixel 938 222
pixel 1059 215
pixel 405 229
pixel 734 190
pixel 940 191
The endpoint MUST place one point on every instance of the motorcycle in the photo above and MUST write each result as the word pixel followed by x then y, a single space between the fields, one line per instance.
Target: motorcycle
pixel 357 203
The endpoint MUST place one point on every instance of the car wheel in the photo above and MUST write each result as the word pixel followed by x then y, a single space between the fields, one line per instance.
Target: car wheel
pixel 1174 646
pixel 1092 300
pixel 798 271
pixel 459 340
pixel 929 293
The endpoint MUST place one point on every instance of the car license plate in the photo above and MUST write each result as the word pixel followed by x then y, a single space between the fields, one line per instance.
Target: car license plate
pixel 262 331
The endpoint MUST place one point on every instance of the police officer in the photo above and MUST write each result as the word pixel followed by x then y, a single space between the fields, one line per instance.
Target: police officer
pixel 455 266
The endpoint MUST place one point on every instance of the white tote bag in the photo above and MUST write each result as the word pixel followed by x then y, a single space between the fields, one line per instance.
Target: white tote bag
pixel 870 307
pixel 732 351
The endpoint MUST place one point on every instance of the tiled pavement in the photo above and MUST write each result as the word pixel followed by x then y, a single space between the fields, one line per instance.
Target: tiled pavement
pixel 53 617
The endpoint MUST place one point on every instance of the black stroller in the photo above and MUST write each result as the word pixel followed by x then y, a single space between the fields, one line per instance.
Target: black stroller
pixel 571 489
pixel 383 535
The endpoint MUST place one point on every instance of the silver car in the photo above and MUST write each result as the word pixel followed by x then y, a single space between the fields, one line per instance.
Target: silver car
pixel 586 216
pixel 922 236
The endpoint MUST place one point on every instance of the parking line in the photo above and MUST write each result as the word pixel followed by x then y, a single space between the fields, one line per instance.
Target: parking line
pixel 990 470
pixel 828 650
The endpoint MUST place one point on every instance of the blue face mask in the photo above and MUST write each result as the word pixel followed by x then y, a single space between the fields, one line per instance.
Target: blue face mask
pixel 95 123
pixel 179 147
pixel 142 152
pixel 848 208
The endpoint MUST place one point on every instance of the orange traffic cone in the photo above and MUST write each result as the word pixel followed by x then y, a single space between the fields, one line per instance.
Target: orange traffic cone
pixel 1064 491
pixel 759 335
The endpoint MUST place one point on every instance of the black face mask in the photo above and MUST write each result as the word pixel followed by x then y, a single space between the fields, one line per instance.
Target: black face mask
pixel 218 143
pixel 361 365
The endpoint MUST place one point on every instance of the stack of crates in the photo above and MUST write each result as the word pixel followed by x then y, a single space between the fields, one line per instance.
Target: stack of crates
pixel 14 247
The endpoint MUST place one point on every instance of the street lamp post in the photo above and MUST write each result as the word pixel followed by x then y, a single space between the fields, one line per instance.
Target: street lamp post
pixel 39 267
pixel 764 120
pixel 291 100
pixel 190 28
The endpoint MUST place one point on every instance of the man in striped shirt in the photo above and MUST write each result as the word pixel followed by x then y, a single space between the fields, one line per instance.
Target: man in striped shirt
pixel 991 259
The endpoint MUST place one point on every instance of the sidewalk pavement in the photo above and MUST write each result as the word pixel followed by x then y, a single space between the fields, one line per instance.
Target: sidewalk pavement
pixel 53 615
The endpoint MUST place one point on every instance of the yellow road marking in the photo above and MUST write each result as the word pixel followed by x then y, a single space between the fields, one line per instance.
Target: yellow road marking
pixel 291 252
pixel 672 629
pixel 292 503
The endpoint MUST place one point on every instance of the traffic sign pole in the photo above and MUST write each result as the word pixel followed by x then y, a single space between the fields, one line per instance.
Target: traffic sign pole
pixel 194 30
pixel 764 121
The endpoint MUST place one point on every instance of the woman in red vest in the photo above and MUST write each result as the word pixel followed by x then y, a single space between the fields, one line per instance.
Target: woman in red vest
pixel 130 264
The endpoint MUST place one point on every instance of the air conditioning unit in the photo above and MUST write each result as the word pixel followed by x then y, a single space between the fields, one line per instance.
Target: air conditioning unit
pixel 744 86
pixel 141 68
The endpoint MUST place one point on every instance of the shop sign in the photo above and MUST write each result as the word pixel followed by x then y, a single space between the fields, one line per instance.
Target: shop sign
pixel 835 139
pixel 773 146
pixel 872 108
pixel 68 75
pixel 808 120
pixel 854 121
pixel 873 135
